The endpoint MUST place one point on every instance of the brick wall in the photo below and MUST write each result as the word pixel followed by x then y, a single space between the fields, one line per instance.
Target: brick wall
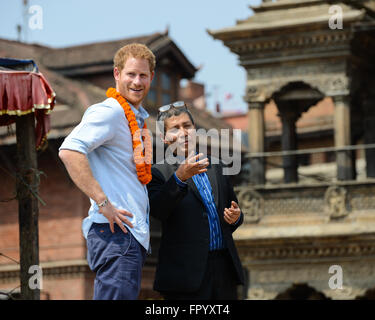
pixel 60 237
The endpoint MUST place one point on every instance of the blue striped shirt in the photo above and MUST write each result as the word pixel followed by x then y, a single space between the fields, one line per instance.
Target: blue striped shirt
pixel 204 187
pixel 205 190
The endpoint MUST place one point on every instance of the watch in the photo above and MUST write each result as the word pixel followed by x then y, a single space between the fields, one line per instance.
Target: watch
pixel 103 204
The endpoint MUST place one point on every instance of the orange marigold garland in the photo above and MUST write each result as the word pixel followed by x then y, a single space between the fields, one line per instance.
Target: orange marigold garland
pixel 142 158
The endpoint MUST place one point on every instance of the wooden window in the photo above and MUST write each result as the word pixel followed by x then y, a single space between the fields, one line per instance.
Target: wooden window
pixel 164 88
pixel 152 94
pixel 167 88
pixel 151 97
pixel 166 99
pixel 166 81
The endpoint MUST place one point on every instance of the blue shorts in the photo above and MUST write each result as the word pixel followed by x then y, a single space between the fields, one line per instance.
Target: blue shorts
pixel 117 259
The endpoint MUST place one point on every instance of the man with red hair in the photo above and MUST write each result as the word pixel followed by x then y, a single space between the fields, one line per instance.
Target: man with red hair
pixel 99 155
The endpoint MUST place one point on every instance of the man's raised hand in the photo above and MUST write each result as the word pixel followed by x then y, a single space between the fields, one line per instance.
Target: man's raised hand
pixel 190 167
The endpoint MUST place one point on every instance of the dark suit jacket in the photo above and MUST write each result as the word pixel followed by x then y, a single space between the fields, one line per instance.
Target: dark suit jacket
pixel 185 229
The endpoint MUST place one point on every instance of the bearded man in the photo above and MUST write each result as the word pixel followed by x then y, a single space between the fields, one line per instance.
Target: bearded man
pixel 104 157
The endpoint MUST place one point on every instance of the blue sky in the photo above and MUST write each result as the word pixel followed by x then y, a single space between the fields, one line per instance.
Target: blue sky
pixel 72 22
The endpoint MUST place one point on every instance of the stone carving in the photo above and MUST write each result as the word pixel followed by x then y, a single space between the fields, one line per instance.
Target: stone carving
pixel 251 90
pixel 258 293
pixel 311 201
pixel 346 293
pixel 325 40
pixel 269 280
pixel 328 85
pixel 252 205
pixel 301 70
pixel 290 206
pixel 334 85
pixel 310 252
pixel 335 199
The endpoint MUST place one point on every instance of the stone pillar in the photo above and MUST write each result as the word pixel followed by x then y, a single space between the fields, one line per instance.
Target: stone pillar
pixel 343 137
pixel 256 141
pixel 369 135
pixel 289 142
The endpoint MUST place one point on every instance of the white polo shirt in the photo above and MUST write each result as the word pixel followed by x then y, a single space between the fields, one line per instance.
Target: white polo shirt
pixel 105 138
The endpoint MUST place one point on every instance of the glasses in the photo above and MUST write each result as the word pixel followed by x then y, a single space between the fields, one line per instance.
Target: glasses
pixel 177 104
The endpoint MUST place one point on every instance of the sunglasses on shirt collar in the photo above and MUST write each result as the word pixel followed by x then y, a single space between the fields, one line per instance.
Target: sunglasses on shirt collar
pixel 177 105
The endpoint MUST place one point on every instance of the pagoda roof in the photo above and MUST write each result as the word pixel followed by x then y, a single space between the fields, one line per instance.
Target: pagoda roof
pixel 279 16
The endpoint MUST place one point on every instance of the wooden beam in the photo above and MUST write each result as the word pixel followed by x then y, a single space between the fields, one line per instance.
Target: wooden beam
pixel 27 188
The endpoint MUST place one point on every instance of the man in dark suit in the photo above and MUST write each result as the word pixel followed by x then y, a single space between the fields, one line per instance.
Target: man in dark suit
pixel 198 210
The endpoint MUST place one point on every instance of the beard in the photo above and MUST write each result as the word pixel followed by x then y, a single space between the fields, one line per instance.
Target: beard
pixel 132 96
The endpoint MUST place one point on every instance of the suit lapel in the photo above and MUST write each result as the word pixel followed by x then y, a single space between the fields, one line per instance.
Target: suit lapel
pixel 212 177
pixel 194 188
pixel 170 161
pixel 189 181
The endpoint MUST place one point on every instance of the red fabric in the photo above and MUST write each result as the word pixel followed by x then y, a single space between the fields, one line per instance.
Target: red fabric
pixel 22 92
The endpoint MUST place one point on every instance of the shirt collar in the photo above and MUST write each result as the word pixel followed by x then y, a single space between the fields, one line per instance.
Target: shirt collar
pixel 139 113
